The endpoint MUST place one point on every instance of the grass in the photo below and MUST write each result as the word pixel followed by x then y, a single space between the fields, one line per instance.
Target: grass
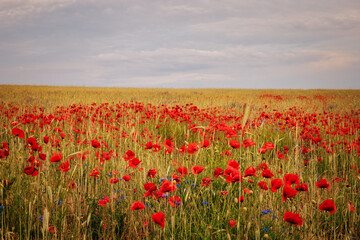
pixel 45 207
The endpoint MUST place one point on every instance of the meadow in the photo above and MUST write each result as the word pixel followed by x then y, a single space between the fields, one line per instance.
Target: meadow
pixel 122 163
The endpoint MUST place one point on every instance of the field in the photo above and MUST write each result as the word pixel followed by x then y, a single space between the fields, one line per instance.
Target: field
pixel 107 163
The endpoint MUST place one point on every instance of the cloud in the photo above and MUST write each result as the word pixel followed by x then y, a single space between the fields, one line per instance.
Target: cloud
pixel 13 11
pixel 165 43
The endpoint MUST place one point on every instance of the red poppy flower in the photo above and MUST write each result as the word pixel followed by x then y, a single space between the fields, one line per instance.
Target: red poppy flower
pixel 206 181
pixel 205 143
pixel 133 163
pixel 126 178
pixel 352 208
pixel 322 183
pixel 197 169
pixel 269 146
pixel 151 173
pixel 174 200
pixel 150 187
pixel 65 166
pixel 288 192
pixel 129 155
pixel 293 218
pixel 95 143
pixel 234 144
pixel 263 185
pixel 232 223
pixel 94 173
pixel 192 148
pixel 328 205
pixel 71 185
pixel 148 145
pixel 218 172
pixel 56 157
pixel 137 206
pixel 302 188
pixel 176 178
pixel 167 187
pixel 18 132
pixel 159 218
pixel 182 170
pixel 46 139
pixel 233 176
pixel 114 180
pixel 182 149
pixel 233 164
pixel 31 141
pixel 266 173
pixel 168 144
pixel 291 179
pixel 42 156
pixel 248 142
pixel 250 171
pixel 31 171
pixel 103 201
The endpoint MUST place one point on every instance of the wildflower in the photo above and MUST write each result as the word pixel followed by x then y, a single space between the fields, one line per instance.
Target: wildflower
pixel 218 172
pixel 288 192
pixel 266 173
pixel 56 157
pixel 232 223
pixel 276 184
pixel 232 164
pixel 234 144
pixel 114 180
pixel 31 171
pixel 206 181
pixel 174 200
pixel 192 148
pixel 328 205
pixel 151 173
pixel 137 206
pixel 95 143
pixel 126 178
pixel 94 173
pixel 263 185
pixel 322 183
pixel 302 188
pixel 291 179
pixel 18 132
pixel 197 169
pixel 250 171
pixel 182 170
pixel 159 218
pixel 293 218
pixel 205 143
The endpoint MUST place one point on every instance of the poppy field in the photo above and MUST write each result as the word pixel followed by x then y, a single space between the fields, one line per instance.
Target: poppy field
pixel 97 163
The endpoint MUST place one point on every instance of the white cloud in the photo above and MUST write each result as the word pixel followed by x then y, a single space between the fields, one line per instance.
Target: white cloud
pixel 13 11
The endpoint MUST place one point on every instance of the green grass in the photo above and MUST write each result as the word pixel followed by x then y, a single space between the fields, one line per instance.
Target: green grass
pixel 126 119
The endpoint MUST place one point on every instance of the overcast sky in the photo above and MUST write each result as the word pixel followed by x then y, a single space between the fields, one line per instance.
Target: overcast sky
pixel 181 44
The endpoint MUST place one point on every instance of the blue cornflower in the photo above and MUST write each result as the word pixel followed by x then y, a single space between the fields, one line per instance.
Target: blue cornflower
pixel 266 211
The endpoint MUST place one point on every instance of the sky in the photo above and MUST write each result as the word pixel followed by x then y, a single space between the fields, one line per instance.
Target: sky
pixel 181 44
